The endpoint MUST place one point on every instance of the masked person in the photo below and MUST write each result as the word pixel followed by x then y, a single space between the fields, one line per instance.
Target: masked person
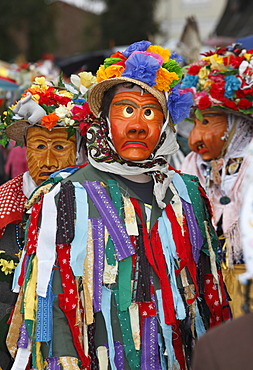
pixel 50 147
pixel 125 262
pixel 222 87
pixel 229 346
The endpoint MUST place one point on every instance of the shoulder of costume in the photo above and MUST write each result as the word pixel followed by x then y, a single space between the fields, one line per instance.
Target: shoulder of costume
pixel 13 198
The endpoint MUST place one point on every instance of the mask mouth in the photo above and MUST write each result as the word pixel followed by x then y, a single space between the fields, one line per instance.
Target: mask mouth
pixel 43 174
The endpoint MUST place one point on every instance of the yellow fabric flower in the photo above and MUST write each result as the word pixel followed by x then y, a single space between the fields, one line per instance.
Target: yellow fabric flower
pixel 113 70
pixel 7 266
pixel 247 56
pixel 207 84
pixel 164 78
pixel 87 79
pixel 164 53
pixel 203 73
pixel 66 93
pixel 101 75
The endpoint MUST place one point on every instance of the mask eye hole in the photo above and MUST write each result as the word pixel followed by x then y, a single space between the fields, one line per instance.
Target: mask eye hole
pixel 59 147
pixel 128 111
pixel 41 146
pixel 149 113
pixel 205 121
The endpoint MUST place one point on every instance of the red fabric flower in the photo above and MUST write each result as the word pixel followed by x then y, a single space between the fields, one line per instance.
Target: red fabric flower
pixel 230 104
pixel 233 60
pixel 122 63
pixel 204 102
pixel 48 97
pixel 194 69
pixel 118 55
pixel 217 90
pixel 244 104
pixel 80 112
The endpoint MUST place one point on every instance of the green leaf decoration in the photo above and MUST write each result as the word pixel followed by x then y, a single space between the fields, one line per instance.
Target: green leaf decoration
pixel 198 114
pixel 109 61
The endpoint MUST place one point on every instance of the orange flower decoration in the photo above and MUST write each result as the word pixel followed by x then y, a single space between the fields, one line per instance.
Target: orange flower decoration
pixel 164 79
pixel 164 53
pixel 114 70
pixel 50 120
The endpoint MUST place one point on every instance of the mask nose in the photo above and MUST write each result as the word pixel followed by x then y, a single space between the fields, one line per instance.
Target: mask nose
pixel 137 128
pixel 195 137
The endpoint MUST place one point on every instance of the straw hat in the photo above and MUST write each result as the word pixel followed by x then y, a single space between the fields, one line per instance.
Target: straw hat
pixel 97 92
pixel 151 67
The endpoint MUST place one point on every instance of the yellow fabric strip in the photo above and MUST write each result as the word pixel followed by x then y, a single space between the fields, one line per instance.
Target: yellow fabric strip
pixel 30 298
pixel 16 322
pixel 87 278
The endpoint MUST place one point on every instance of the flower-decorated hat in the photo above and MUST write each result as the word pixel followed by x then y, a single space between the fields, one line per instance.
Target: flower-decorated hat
pixel 223 80
pixel 151 67
pixel 47 106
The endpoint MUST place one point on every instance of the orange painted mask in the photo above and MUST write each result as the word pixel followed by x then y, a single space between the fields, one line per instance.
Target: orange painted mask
pixel 49 151
pixel 136 121
pixel 206 136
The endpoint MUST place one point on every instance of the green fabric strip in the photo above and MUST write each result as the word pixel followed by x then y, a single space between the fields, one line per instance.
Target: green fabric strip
pixel 132 355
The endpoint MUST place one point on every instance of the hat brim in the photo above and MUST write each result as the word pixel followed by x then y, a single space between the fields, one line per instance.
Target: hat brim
pixel 97 92
pixel 17 130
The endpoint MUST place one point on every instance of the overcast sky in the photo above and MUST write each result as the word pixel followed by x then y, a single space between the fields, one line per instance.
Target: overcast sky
pixel 94 6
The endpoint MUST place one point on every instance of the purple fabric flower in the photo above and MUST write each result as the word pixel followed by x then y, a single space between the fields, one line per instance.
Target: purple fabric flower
pixel 179 105
pixel 142 67
pixel 137 46
pixel 176 57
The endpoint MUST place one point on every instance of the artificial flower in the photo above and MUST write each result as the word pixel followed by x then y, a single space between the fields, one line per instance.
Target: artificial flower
pixel 142 67
pixel 164 53
pixel 217 90
pixel 137 46
pixel 179 104
pixel 114 70
pixel 203 74
pixel 62 111
pixel 50 120
pixel 190 81
pixel 244 104
pixel 101 74
pixel 87 79
pixel 204 102
pixel 194 69
pixel 164 79
pixel 232 84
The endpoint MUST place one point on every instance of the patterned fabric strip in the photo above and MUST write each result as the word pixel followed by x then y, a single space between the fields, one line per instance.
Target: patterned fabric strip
pixel 69 363
pixel 98 239
pixel 117 202
pixel 15 325
pixel 88 276
pixel 194 231
pixel 12 201
pixel 32 233
pixel 133 356
pixel 111 219
pixel 53 363
pixel 68 300
pixel 23 339
pixel 65 214
pixel 119 358
pixel 44 327
pixel 149 354
pixel 143 271
pixel 92 348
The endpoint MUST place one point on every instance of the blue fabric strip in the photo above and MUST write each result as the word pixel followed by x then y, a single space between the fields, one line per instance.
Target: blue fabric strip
pixel 78 245
pixel 106 311
pixel 167 334
pixel 169 250
pixel 44 327
pixel 179 184
pixel 111 219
